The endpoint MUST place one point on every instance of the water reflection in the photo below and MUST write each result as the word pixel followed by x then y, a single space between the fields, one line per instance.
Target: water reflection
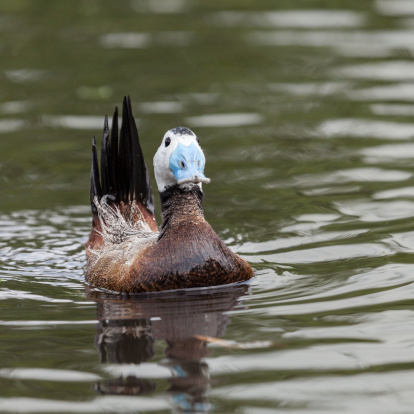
pixel 389 70
pixel 348 43
pixel 11 125
pixel 145 40
pixel 305 18
pixel 395 7
pixel 73 121
pixel 359 128
pixel 225 120
pixel 186 321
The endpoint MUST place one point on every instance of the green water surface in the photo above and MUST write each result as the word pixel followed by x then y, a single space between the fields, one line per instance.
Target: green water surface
pixel 304 110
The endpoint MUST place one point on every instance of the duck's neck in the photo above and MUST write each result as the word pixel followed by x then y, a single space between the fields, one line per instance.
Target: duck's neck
pixel 180 205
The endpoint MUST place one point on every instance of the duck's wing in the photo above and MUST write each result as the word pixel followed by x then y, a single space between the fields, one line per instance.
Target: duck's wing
pixel 122 179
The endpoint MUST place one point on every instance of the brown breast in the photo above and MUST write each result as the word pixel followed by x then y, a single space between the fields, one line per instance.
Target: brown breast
pixel 190 254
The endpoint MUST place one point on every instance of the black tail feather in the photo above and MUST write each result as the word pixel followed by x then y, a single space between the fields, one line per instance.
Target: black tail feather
pixel 140 185
pixel 105 159
pixel 95 190
pixel 124 155
pixel 113 157
pixel 123 172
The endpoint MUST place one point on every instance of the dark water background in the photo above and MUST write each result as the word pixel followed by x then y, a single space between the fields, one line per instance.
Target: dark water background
pixel 305 112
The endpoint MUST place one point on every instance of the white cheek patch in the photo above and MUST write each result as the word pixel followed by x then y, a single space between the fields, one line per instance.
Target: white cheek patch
pixel 163 174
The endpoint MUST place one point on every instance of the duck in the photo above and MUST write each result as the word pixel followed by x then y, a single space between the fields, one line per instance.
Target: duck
pixel 126 251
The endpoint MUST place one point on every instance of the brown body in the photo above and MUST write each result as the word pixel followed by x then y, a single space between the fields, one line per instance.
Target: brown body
pixel 186 254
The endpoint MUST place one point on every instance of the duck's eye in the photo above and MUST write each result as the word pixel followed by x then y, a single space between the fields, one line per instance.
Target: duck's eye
pixel 182 164
pixel 198 164
pixel 167 141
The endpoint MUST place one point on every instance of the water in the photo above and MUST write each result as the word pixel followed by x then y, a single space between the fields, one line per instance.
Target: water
pixel 304 110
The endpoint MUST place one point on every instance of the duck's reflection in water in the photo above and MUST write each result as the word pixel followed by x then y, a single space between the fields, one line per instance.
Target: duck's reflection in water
pixel 128 328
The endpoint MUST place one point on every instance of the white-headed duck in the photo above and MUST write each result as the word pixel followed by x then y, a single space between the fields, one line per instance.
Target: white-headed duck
pixel 126 252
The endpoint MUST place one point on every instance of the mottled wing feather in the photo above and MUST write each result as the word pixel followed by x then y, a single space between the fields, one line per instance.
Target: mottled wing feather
pixel 122 178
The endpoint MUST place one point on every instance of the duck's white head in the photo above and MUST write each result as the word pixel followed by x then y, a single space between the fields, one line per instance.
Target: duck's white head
pixel 179 160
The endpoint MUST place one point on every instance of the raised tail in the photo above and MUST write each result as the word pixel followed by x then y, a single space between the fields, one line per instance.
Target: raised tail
pixel 123 176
